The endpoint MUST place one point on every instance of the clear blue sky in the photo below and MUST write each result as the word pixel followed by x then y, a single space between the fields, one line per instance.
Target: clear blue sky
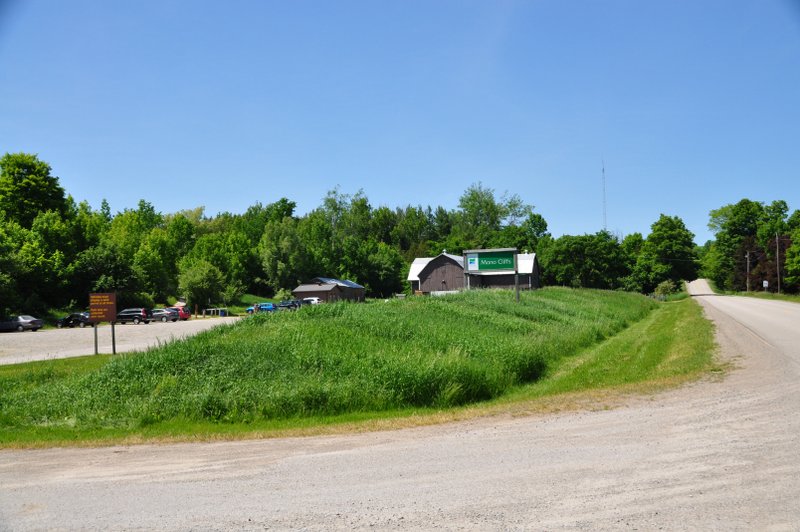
pixel 692 104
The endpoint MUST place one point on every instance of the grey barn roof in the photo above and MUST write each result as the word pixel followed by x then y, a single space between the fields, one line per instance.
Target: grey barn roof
pixel 315 287
pixel 338 282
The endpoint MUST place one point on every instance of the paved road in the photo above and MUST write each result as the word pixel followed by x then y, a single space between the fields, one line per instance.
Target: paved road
pixel 720 454
pixel 47 344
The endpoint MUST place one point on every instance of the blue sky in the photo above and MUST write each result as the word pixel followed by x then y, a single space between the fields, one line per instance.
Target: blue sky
pixel 692 104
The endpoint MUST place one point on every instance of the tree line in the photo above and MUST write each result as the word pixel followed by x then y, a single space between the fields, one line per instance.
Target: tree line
pixel 755 243
pixel 54 250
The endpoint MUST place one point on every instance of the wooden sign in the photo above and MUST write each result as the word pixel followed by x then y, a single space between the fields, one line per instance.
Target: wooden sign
pixel 103 307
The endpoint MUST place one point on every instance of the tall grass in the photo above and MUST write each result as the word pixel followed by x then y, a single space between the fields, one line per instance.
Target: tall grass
pixel 329 359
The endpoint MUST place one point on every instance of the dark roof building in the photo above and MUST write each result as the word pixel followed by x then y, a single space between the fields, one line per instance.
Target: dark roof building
pixel 330 290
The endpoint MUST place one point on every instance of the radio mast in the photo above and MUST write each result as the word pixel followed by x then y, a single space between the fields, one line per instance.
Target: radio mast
pixel 605 220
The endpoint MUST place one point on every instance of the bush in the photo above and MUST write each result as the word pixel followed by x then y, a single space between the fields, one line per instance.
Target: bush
pixel 666 288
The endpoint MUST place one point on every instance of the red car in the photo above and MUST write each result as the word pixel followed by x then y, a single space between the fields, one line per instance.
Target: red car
pixel 183 314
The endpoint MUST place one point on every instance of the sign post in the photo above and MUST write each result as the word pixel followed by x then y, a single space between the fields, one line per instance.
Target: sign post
pixel 484 261
pixel 103 307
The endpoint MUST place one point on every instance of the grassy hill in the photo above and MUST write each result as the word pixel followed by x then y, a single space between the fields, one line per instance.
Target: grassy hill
pixel 324 360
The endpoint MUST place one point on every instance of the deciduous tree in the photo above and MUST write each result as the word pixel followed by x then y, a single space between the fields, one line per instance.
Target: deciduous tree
pixel 27 188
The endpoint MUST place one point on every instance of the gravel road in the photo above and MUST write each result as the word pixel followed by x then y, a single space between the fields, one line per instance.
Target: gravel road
pixel 64 343
pixel 719 454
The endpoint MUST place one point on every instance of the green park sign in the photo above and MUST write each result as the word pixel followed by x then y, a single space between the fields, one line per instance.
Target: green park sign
pixel 490 260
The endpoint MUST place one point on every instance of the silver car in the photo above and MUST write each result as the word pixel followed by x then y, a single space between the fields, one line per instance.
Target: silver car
pixel 20 323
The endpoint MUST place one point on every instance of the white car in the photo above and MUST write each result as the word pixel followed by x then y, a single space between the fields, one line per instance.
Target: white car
pixel 312 300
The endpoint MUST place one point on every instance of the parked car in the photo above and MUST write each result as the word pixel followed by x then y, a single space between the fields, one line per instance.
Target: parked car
pixel 20 323
pixel 136 315
pixel 165 314
pixel 183 312
pixel 262 307
pixel 292 304
pixel 76 319
pixel 313 300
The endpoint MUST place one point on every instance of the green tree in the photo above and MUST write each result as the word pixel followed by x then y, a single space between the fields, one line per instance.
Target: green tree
pixel 11 239
pixel 229 251
pixel 384 221
pixel 201 282
pixel 88 226
pixel 255 219
pixel 793 222
pixel 103 268
pixel 732 225
pixel 32 263
pixel 750 237
pixel 631 248
pixel 414 231
pixel 386 266
pixel 27 188
pixel 283 255
pixel 479 217
pixel 792 264
pixel 772 223
pixel 129 228
pixel 667 254
pixel 181 236
pixel 440 222
pixel 482 221
pixel 586 261
pixel 155 266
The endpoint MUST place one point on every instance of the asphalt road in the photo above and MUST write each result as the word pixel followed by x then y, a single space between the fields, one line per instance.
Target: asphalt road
pixel 721 454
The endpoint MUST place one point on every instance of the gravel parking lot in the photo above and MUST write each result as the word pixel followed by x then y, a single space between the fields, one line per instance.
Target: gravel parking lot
pixel 48 344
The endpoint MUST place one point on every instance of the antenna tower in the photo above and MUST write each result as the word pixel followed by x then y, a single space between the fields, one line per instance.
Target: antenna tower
pixel 605 220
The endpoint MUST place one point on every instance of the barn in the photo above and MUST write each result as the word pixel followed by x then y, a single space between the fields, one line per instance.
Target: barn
pixel 330 290
pixel 444 274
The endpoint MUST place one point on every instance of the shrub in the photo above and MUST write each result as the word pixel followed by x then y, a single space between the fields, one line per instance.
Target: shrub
pixel 666 288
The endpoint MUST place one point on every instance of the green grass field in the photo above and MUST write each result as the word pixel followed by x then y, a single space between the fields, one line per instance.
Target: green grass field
pixel 349 363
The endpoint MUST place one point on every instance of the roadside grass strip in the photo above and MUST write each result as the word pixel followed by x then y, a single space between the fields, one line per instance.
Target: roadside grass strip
pixel 671 346
pixel 355 363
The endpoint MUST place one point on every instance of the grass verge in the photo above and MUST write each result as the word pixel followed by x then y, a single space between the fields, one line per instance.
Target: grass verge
pixel 362 367
pixel 793 298
pixel 759 294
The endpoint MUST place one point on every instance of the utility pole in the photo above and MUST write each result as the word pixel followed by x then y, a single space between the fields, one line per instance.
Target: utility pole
pixel 778 260
pixel 747 256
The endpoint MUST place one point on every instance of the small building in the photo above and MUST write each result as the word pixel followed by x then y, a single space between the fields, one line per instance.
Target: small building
pixel 330 290
pixel 445 274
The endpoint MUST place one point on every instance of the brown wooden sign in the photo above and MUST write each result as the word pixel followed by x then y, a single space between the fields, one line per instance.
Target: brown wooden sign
pixel 103 307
